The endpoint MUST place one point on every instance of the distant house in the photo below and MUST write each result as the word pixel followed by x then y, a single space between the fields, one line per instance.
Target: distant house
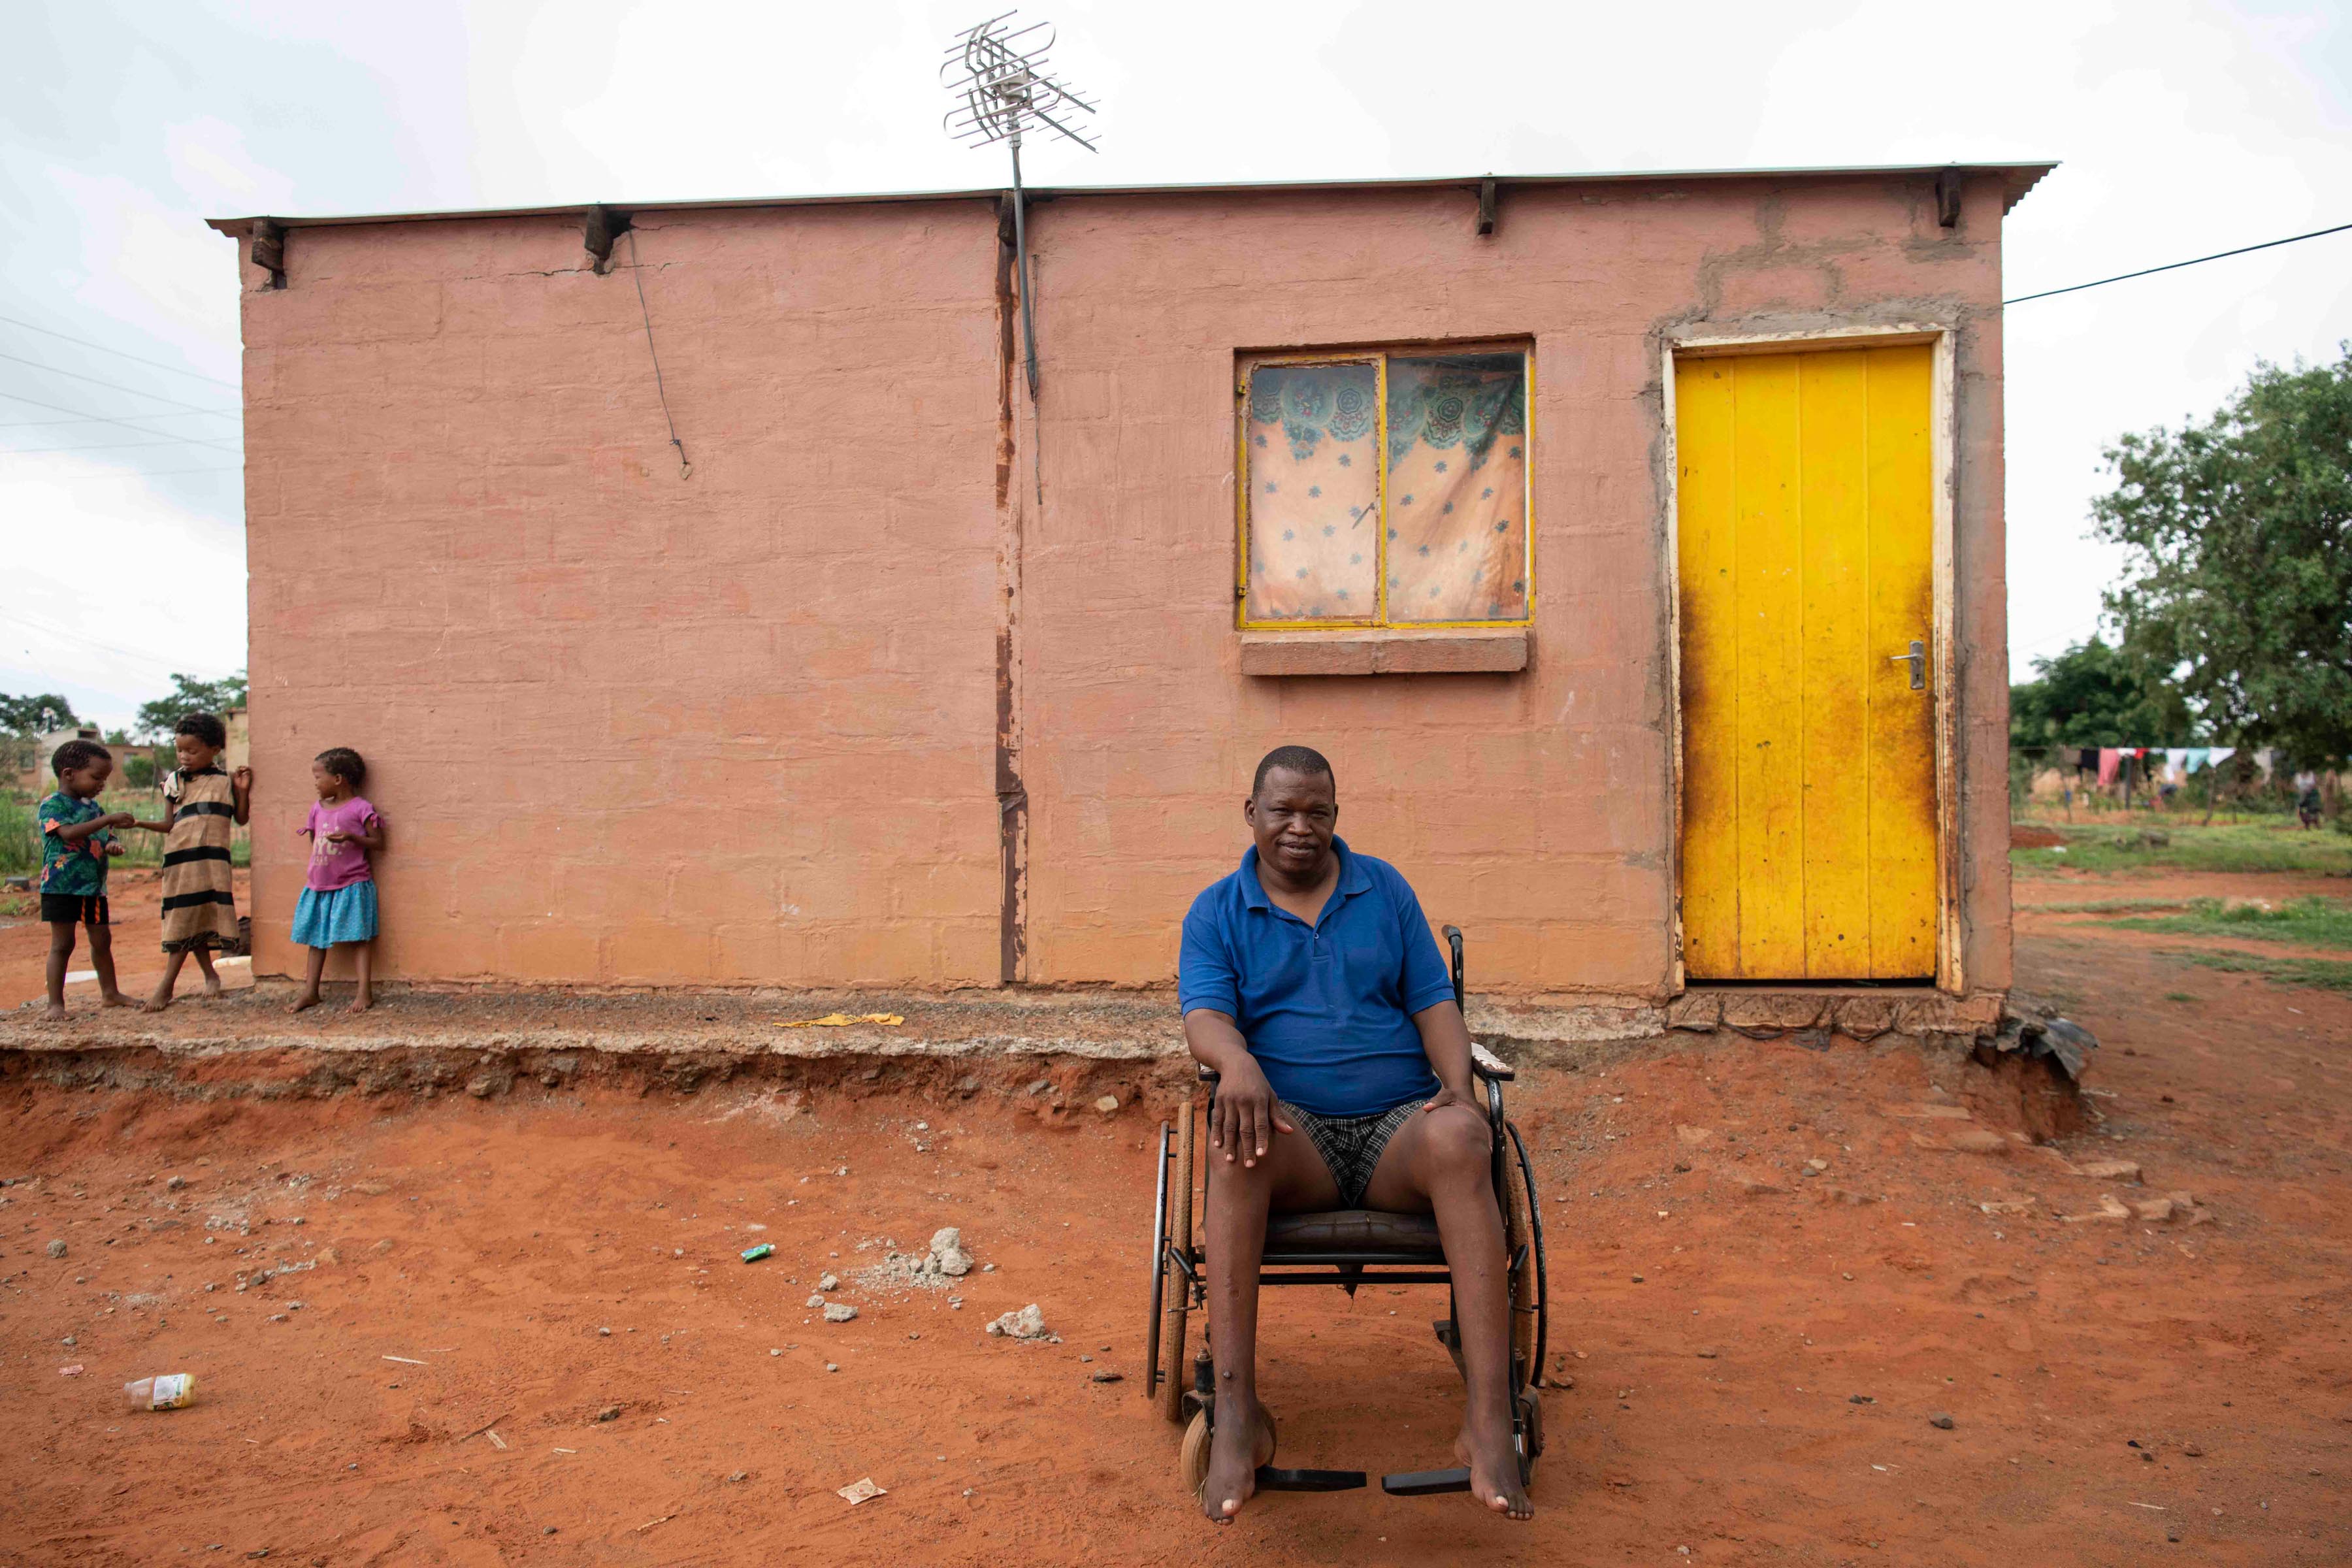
pixel 35 779
pixel 1633 544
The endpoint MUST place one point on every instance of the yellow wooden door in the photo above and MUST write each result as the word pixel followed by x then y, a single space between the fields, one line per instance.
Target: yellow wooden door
pixel 1804 509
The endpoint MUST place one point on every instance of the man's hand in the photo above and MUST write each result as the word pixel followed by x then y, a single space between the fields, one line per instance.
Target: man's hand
pixel 1245 1119
pixel 1445 1096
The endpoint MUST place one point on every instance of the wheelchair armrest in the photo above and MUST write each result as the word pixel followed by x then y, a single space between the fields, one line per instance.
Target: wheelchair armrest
pixel 1208 1074
pixel 1487 1064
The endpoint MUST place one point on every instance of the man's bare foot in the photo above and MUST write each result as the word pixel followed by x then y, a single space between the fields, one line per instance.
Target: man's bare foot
pixel 360 1003
pixel 55 1013
pixel 1239 1444
pixel 307 999
pixel 114 999
pixel 1494 1469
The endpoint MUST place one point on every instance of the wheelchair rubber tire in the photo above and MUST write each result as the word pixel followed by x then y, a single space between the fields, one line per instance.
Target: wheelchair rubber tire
pixel 1527 1291
pixel 1192 1459
pixel 1176 1287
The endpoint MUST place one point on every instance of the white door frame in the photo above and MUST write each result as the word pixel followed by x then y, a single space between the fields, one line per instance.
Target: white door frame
pixel 1702 343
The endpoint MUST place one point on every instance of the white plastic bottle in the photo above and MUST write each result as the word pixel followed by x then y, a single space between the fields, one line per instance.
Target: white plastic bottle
pixel 168 1392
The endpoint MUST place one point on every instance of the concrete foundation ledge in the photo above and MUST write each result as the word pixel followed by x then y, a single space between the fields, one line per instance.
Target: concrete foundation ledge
pixel 488 1041
pixel 1448 652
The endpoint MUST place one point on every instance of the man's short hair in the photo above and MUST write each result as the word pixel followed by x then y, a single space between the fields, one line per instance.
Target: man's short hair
pixel 75 755
pixel 205 727
pixel 1305 761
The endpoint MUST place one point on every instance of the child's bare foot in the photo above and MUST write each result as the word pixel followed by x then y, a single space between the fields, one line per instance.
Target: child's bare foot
pixel 156 1003
pixel 1485 1448
pixel 55 1013
pixel 1243 1440
pixel 114 999
pixel 360 1003
pixel 212 987
pixel 307 999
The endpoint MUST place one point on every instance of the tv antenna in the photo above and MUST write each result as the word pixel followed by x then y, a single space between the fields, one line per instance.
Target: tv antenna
pixel 1003 92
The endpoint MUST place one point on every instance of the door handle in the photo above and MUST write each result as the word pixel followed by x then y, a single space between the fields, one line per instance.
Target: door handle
pixel 1917 659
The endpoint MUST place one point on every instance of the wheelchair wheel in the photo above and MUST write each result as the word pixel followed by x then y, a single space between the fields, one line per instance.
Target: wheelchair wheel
pixel 1175 1290
pixel 1193 1459
pixel 1523 1239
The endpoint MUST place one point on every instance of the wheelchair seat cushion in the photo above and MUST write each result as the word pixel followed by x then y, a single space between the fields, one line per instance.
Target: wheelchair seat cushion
pixel 1402 1237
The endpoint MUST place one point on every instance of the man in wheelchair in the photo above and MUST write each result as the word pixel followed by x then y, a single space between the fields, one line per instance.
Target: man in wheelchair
pixel 1310 985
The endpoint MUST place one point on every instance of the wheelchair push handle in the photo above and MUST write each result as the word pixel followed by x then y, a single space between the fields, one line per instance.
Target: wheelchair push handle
pixel 1454 941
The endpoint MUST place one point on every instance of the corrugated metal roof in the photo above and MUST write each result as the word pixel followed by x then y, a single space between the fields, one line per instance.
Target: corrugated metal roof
pixel 2018 179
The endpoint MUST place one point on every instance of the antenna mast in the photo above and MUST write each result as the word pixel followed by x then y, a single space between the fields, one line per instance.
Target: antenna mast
pixel 997 72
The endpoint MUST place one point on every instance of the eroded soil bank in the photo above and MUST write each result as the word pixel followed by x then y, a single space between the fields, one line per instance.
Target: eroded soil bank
pixel 458 1258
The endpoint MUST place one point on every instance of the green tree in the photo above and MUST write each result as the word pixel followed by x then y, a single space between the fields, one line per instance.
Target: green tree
pixel 35 715
pixel 2239 570
pixel 190 695
pixel 2095 695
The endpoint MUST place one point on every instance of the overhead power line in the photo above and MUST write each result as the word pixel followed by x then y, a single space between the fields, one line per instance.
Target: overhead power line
pixel 135 392
pixel 130 474
pixel 86 419
pixel 2171 266
pixel 126 424
pixel 92 447
pixel 155 660
pixel 102 348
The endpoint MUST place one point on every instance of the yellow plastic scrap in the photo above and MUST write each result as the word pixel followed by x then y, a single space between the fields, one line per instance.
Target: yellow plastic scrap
pixel 843 1020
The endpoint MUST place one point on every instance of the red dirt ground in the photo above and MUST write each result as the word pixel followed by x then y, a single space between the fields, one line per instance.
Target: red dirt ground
pixel 134 899
pixel 1715 1335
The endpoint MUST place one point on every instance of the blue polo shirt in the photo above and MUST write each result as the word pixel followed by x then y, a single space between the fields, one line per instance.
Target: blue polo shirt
pixel 1327 1008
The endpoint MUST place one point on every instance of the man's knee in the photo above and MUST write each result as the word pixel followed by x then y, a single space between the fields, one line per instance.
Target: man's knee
pixel 1458 1141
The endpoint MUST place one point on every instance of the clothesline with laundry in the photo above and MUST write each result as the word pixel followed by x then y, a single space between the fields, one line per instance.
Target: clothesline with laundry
pixel 2168 764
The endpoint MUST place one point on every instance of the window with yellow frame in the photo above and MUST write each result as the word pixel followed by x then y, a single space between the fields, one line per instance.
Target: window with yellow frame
pixel 1384 487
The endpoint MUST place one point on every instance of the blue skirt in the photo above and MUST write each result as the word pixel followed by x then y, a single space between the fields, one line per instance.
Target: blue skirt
pixel 346 914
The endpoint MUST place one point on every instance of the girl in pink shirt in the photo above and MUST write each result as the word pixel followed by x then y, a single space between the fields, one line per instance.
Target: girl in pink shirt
pixel 338 904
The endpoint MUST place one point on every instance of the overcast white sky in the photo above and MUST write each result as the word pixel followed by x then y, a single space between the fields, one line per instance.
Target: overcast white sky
pixel 2183 129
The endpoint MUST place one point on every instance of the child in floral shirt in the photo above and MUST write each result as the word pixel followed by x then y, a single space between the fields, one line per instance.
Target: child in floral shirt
pixel 76 839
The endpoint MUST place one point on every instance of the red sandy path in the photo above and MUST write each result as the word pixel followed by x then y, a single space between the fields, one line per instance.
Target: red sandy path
pixel 507 1230
pixel 135 901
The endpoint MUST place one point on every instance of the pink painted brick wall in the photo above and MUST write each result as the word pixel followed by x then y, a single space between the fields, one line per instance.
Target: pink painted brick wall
pixel 627 727
pixel 739 728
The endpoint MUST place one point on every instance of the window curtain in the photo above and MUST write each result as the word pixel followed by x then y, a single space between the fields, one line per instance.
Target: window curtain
pixel 1314 493
pixel 1458 489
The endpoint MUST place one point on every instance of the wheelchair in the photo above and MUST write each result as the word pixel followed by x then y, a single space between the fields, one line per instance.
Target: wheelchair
pixel 1347 1248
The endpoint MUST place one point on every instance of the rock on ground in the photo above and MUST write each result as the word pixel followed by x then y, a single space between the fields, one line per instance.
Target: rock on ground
pixel 1028 1323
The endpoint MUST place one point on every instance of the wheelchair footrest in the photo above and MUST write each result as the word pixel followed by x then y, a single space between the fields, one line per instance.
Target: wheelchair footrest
pixel 1426 1483
pixel 1270 1479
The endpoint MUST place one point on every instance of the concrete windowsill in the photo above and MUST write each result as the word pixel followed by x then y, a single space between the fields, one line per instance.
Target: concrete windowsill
pixel 1446 652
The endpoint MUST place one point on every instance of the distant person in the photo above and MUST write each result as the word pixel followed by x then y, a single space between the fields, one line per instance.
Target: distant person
pixel 77 841
pixel 1310 983
pixel 2307 805
pixel 200 805
pixel 338 903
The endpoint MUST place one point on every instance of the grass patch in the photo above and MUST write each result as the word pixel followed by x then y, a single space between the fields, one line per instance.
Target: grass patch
pixel 2325 974
pixel 20 832
pixel 2309 923
pixel 2274 845
pixel 2107 907
pixel 2181 996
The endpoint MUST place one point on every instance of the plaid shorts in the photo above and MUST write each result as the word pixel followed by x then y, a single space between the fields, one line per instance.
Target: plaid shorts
pixel 1351 1146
